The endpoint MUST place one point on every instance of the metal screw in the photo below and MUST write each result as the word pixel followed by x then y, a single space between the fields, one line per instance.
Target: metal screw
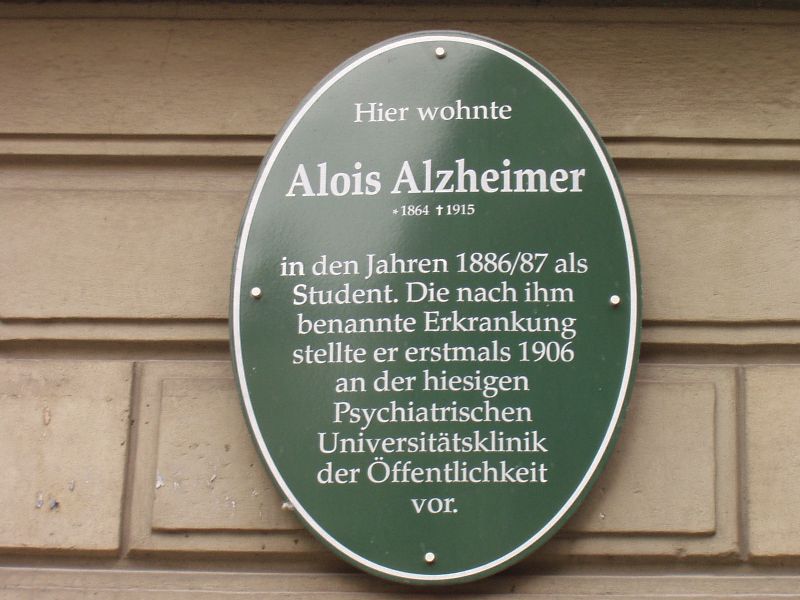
pixel 430 558
pixel 256 292
pixel 615 300
pixel 440 52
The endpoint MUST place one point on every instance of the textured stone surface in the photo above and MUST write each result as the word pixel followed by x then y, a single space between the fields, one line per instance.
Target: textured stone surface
pixel 209 475
pixel 575 583
pixel 773 460
pixel 63 443
pixel 170 259
pixel 130 76
pixel 661 477
pixel 199 485
pixel 95 258
pixel 671 487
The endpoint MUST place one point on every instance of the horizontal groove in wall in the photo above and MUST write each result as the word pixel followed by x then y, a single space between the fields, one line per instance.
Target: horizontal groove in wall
pixel 766 11
pixel 338 585
pixel 773 334
pixel 254 147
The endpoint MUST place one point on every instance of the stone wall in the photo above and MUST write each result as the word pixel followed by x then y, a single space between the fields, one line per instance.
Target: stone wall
pixel 130 135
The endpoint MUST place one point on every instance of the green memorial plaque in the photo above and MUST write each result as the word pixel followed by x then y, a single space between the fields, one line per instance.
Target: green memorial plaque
pixel 435 308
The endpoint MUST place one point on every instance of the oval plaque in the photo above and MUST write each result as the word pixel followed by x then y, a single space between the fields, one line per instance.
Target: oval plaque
pixel 435 308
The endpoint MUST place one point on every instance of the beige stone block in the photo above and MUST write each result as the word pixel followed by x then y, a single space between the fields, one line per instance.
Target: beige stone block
pixel 210 477
pixel 670 488
pixel 78 251
pixel 128 254
pixel 718 258
pixel 773 460
pixel 63 445
pixel 200 485
pixel 141 76
pixel 661 478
